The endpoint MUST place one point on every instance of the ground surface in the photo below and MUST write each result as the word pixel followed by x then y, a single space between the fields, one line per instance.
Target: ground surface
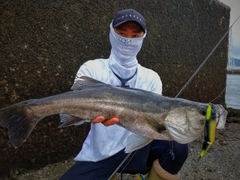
pixel 222 161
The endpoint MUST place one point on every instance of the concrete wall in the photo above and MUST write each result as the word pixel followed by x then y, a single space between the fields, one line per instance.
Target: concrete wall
pixel 43 43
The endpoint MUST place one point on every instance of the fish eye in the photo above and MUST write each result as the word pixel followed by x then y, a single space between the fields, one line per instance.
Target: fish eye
pixel 203 111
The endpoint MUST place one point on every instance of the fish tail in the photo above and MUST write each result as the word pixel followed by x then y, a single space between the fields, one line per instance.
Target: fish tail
pixel 19 125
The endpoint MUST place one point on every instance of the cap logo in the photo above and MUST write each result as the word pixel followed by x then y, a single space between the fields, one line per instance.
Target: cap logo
pixel 130 15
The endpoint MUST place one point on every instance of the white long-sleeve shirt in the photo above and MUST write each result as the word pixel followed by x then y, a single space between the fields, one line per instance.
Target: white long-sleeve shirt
pixel 105 141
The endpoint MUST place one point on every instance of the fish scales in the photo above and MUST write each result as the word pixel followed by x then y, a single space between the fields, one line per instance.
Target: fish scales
pixel 87 105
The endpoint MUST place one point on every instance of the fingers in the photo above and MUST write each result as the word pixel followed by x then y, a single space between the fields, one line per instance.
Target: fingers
pixel 111 121
pixel 106 122
pixel 98 119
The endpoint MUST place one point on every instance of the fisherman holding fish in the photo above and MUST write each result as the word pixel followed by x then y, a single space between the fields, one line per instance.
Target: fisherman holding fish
pixel 103 149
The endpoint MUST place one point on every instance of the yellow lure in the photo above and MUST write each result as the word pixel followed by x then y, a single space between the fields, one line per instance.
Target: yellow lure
pixel 209 131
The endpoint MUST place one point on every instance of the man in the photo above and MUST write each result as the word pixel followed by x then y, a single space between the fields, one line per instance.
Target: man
pixel 103 149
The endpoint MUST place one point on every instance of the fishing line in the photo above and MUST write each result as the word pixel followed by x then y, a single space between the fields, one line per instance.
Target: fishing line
pixel 218 95
pixel 125 159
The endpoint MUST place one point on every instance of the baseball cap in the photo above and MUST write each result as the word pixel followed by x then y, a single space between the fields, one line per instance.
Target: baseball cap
pixel 129 15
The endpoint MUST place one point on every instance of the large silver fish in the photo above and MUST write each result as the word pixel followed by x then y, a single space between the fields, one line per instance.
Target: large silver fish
pixel 148 115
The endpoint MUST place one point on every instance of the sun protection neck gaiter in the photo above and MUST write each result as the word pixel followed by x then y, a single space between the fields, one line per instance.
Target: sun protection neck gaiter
pixel 122 60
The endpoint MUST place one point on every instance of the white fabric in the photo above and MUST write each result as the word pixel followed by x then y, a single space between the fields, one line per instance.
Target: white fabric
pixel 123 57
pixel 103 142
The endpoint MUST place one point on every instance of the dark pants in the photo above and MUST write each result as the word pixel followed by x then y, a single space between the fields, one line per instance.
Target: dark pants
pixel 171 156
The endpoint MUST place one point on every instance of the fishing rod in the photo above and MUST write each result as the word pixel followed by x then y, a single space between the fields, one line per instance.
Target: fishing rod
pixel 181 90
pixel 189 80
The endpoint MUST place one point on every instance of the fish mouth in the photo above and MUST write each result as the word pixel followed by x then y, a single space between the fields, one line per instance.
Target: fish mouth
pixel 221 116
pixel 179 137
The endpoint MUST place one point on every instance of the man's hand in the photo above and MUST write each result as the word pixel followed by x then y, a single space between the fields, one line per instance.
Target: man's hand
pixel 106 122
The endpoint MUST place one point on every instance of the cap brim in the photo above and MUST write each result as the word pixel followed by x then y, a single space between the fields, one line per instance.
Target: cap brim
pixel 133 20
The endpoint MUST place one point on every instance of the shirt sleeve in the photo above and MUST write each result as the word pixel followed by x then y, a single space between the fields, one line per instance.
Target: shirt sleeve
pixel 156 84
pixel 85 70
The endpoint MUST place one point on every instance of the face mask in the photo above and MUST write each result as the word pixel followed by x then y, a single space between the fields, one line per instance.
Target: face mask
pixel 124 50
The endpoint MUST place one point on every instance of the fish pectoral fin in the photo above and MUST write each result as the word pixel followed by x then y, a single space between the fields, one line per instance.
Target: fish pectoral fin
pixel 69 120
pixel 135 142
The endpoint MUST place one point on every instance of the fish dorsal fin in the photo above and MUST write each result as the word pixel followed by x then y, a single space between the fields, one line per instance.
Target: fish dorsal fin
pixel 85 81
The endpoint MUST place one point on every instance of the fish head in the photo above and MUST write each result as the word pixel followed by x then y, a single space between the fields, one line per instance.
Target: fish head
pixel 185 124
